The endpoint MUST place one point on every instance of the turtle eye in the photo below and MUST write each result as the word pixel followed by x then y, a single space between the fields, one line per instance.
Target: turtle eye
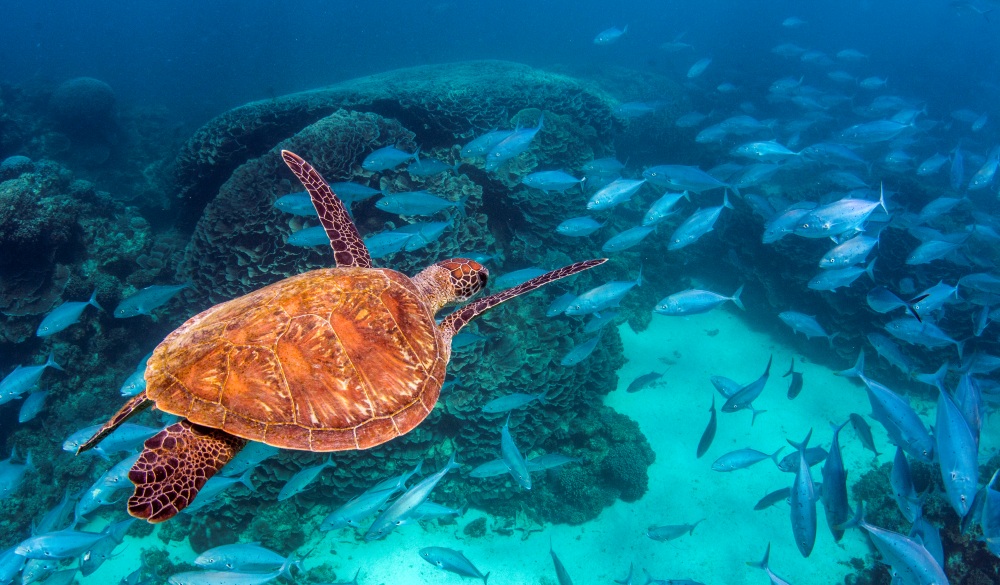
pixel 468 277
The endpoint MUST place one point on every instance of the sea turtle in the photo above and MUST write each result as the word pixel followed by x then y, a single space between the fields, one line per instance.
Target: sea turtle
pixel 329 360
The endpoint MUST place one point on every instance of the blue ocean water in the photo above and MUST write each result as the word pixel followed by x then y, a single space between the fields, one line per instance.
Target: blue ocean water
pixel 148 186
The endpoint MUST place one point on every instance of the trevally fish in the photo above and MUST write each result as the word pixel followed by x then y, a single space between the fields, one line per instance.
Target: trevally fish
pixel 597 322
pixel 600 298
pixel 577 227
pixel 785 222
pixel 12 474
pixel 643 381
pixel 64 544
pixel 147 300
pixel 932 250
pixel 550 461
pixel 851 252
pixel 708 435
pixel 864 432
pixel 562 575
pixel 358 508
pixel 803 501
pixel 215 486
pixel 512 401
pixel 417 203
pixel 661 208
pixel 352 192
pixel 614 193
pixel 519 141
pixel 699 67
pixel 398 511
pixel 423 168
pixel 297 204
pixel 834 494
pixel 423 233
pixel 65 315
pixel 932 164
pixel 306 238
pixel 24 378
pixel 744 397
pixel 611 35
pixel 901 481
pixel 510 279
pixel 482 145
pixel 806 325
pixel 580 352
pixel 136 381
pixel 901 422
pixel 222 578
pixel 695 301
pixel 551 181
pixel 301 480
pixel 700 223
pixel 833 219
pixel 671 531
pixel 384 243
pixel 831 280
pixel 911 562
pixel 795 385
pixel 386 158
pixel 559 304
pixel 245 557
pixel 452 561
pixel 248 458
pixel 743 458
pixel 872 132
pixel 683 178
pixel 32 405
pixel 691 119
pixel 627 239
pixel 493 468
pixel 814 456
pixel 764 151
pixel 513 458
pixel 956 451
pixel 923 333
pixel 605 167
pixel 891 352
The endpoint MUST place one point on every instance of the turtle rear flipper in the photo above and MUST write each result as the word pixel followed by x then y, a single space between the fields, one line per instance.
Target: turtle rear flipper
pixel 135 405
pixel 173 467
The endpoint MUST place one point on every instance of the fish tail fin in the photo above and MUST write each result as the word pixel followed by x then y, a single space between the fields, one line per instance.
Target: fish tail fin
pixel 725 197
pixel 855 371
pixel 836 428
pixel 763 562
pixel 791 369
pixel 51 362
pixel 93 301
pixel 881 197
pixel 485 577
pixel 830 338
pixel 461 205
pixel 857 520
pixel 246 480
pixel 638 281
pixel 774 456
pixel 736 298
pixel 870 269
pixel 755 412
pixel 286 567
pixel 801 447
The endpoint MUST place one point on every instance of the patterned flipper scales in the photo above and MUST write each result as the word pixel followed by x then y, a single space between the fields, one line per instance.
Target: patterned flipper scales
pixel 135 405
pixel 348 247
pixel 460 318
pixel 174 465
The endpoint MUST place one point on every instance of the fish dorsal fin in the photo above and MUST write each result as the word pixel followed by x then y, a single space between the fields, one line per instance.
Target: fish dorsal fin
pixel 348 247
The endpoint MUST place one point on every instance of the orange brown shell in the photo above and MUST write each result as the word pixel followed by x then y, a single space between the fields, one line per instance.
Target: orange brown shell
pixel 329 360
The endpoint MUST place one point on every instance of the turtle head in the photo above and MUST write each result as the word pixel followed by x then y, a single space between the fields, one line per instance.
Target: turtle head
pixel 451 281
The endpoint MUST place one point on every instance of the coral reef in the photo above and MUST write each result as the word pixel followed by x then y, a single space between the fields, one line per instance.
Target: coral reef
pixel 83 105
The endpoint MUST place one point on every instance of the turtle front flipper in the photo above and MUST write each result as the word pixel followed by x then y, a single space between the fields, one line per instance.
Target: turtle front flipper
pixel 173 467
pixel 348 247
pixel 135 405
pixel 460 318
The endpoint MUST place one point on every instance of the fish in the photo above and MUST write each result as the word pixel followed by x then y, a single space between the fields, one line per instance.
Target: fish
pixel 54 518
pixel 397 512
pixel 353 192
pixel 671 531
pixel 512 279
pixel 901 422
pixel 578 227
pixel 803 501
pixel 301 480
pixel 709 434
pixel 643 381
pixel 429 167
pixel 891 352
pixel 957 450
pixel 911 562
pixel 519 141
pixel 148 300
pixel 12 474
pixel 562 575
pixel 307 237
pixel 873 132
pixel 65 315
pixel 614 193
pixel 24 378
pixel 11 564
pixel 957 170
pixel 700 223
pixel 417 203
pixel 547 181
pixel 932 250
pixel 795 384
pixel 482 145
pixel 834 494
pixel 627 239
pixel 358 508
pixel 864 432
pixel 222 578
pixel 814 456
pixel 386 159
pixel 32 405
pixel 744 397
pixel 775 580
pixel 603 297
pixel 631 110
pixel 136 381
pixel 597 322
pixel 901 481
pixel 580 352
pixel 932 164
pixel 126 437
pixel 512 401
pixel 695 301
pixel 299 204
pixel 699 67
pixel 550 461
pixel 467 339
pixel 493 468
pixel 743 458
pixel 453 561
pixel 216 486
pixel 559 304
pixel 840 217
pixel 64 544
pixel 513 458
pixel 385 243
pixel 851 252
pixel 683 178
pixel 249 457
pixel 103 549
pixel 831 280
pixel 606 167
pixel 423 233
pixel 784 223
pixel 806 325
pixel 247 558
pixel 764 151
pixel 924 333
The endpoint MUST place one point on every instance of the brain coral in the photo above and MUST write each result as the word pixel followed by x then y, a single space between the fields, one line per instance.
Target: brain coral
pixel 83 104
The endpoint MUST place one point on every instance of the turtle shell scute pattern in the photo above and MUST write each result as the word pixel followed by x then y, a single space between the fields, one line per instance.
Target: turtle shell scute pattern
pixel 329 360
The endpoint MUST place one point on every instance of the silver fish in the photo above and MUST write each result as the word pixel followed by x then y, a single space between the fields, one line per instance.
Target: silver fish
pixel 671 531
pixel 24 378
pixel 614 193
pixel 247 558
pixel 600 298
pixel 222 578
pixel 851 252
pixel 386 158
pixel 700 223
pixel 512 401
pixel 661 208
pixel 513 458
pixel 12 474
pixel 147 300
pixel 580 352
pixel 417 203
pixel 519 141
pixel 803 501
pixel 806 325
pixel 33 404
pixel 301 480
pixel 578 227
pixel 695 301
pixel 451 560
pixel 65 315
pixel 215 486
pixel 956 450
pixel 297 204
pixel 64 544
pixel 743 458
pixel 482 145
pixel 611 35
pixel 398 511
pixel 546 181
pixel 627 239
pixel 308 237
